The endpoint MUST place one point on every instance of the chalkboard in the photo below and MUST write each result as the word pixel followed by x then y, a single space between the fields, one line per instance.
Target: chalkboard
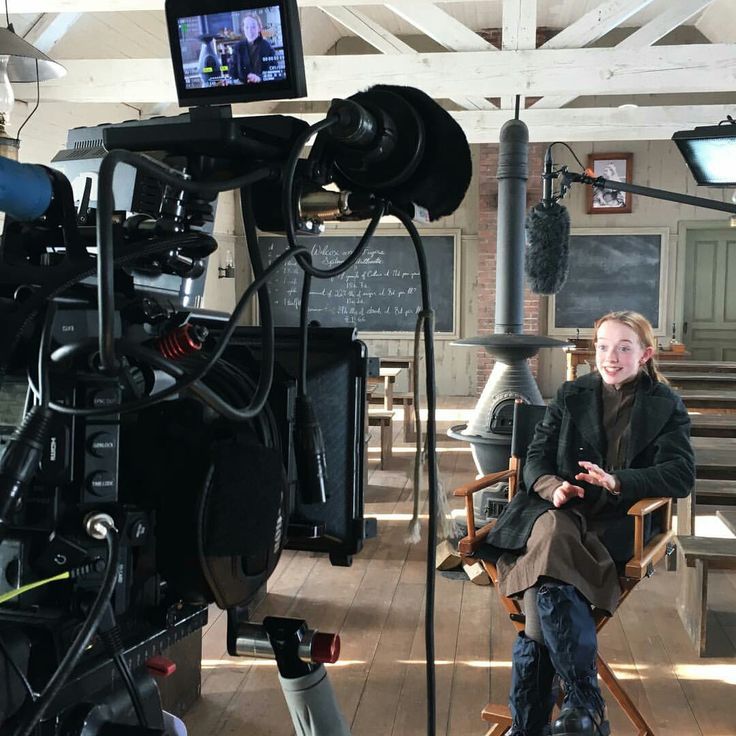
pixel 381 292
pixel 610 271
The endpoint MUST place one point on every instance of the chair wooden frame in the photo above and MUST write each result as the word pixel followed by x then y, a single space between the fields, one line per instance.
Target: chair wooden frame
pixel 641 565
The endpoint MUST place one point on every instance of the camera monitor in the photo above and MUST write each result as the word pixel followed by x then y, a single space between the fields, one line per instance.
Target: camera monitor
pixel 237 51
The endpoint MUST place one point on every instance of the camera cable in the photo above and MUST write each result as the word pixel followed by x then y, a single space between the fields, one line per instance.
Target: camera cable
pixel 428 323
pixel 38 709
pixel 105 211
pixel 190 382
pixel 287 196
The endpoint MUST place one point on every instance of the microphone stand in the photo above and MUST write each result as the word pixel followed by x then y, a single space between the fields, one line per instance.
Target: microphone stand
pixel 622 186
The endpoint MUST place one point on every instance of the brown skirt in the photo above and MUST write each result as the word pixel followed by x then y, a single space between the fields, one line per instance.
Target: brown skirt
pixel 563 545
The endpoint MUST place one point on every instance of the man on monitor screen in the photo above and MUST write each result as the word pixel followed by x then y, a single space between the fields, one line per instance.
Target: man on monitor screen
pixel 254 57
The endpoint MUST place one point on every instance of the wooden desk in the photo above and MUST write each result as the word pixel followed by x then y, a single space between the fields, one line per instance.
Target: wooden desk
pixel 713 425
pixel 401 361
pixel 728 518
pixel 723 401
pixel 696 381
pixel 576 356
pixel 715 457
pixel 696 366
pixel 388 376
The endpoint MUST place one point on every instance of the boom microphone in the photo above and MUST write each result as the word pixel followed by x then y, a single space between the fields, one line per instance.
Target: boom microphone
pixel 399 144
pixel 547 248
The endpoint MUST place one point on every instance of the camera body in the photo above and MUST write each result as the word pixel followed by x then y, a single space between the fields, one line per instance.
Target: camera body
pixel 202 503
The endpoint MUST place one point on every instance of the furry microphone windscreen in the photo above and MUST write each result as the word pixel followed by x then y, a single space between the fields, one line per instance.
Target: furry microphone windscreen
pixel 547 248
pixel 443 175
pixel 440 177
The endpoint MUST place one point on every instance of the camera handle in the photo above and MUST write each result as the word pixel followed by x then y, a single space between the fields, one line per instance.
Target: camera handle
pixel 300 654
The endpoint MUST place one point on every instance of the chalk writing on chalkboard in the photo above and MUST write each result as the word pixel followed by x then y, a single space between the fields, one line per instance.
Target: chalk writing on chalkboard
pixel 381 292
pixel 611 271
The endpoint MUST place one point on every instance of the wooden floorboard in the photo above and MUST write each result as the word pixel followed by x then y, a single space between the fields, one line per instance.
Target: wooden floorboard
pixel 377 607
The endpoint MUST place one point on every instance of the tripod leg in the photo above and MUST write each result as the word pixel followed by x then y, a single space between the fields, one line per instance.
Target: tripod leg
pixel 313 706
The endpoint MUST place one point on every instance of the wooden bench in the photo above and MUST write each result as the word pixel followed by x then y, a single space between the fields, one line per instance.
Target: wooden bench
pixel 715 457
pixel 406 401
pixel 728 518
pixel 713 425
pixel 715 491
pixel 723 401
pixel 700 555
pixel 696 381
pixel 696 366
pixel 383 419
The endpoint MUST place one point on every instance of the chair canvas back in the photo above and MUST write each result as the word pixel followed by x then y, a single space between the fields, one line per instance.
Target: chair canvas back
pixel 526 418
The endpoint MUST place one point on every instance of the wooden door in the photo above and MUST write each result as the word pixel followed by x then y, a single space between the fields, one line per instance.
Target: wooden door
pixel 709 329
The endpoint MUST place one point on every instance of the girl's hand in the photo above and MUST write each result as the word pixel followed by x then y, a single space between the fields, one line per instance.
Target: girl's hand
pixel 565 492
pixel 597 476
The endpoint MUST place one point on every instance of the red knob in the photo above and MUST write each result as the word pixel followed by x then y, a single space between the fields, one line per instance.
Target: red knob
pixel 325 648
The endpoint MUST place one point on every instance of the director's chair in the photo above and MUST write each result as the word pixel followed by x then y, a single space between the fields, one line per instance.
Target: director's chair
pixel 641 565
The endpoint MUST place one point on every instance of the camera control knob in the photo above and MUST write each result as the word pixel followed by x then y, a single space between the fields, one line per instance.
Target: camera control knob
pixel 102 444
pixel 101 483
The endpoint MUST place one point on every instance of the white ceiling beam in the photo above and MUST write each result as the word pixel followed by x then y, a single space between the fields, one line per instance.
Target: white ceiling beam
pixel 385 42
pixel 596 23
pixel 653 70
pixel 438 25
pixel 676 13
pixel 363 27
pixel 94 6
pixel 518 31
pixel 49 29
pixel 446 31
pixel 581 124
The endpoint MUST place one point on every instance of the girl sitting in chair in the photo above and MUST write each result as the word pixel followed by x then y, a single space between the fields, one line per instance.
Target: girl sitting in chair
pixel 609 439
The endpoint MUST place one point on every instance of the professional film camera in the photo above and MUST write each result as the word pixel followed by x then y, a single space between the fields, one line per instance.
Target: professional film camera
pixel 158 458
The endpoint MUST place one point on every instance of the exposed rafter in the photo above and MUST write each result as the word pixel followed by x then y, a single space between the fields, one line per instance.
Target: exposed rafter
pixel 385 42
pixel 94 6
pixel 676 13
pixel 595 24
pixel 519 31
pixel 582 124
pixel 653 70
pixel 446 31
pixel 49 29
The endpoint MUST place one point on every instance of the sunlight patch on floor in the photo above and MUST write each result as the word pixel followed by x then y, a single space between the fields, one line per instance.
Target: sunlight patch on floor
pixel 720 672
pixel 211 664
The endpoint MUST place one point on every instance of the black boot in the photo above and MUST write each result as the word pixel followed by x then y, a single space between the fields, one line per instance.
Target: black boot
pixel 569 633
pixel 531 698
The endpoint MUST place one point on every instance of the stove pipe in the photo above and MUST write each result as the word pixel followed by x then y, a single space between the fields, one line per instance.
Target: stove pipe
pixel 490 426
pixel 513 172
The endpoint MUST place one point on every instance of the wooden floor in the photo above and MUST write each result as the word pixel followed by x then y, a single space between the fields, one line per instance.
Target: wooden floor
pixel 377 608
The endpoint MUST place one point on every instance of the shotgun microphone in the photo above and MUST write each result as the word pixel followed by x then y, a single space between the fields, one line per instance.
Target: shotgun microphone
pixel 547 239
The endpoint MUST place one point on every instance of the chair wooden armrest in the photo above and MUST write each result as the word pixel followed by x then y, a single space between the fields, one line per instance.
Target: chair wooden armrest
pixel 478 485
pixel 467 492
pixel 646 556
pixel 469 544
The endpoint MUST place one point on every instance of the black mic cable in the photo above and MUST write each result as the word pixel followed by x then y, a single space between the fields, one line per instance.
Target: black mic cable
pixel 428 315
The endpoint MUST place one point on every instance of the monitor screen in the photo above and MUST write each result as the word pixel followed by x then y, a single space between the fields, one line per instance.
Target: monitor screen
pixel 239 51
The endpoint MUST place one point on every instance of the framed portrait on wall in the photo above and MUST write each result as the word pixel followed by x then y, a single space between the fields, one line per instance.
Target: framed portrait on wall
pixel 616 167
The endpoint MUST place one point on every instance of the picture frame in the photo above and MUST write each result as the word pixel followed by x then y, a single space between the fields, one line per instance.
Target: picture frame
pixel 614 166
